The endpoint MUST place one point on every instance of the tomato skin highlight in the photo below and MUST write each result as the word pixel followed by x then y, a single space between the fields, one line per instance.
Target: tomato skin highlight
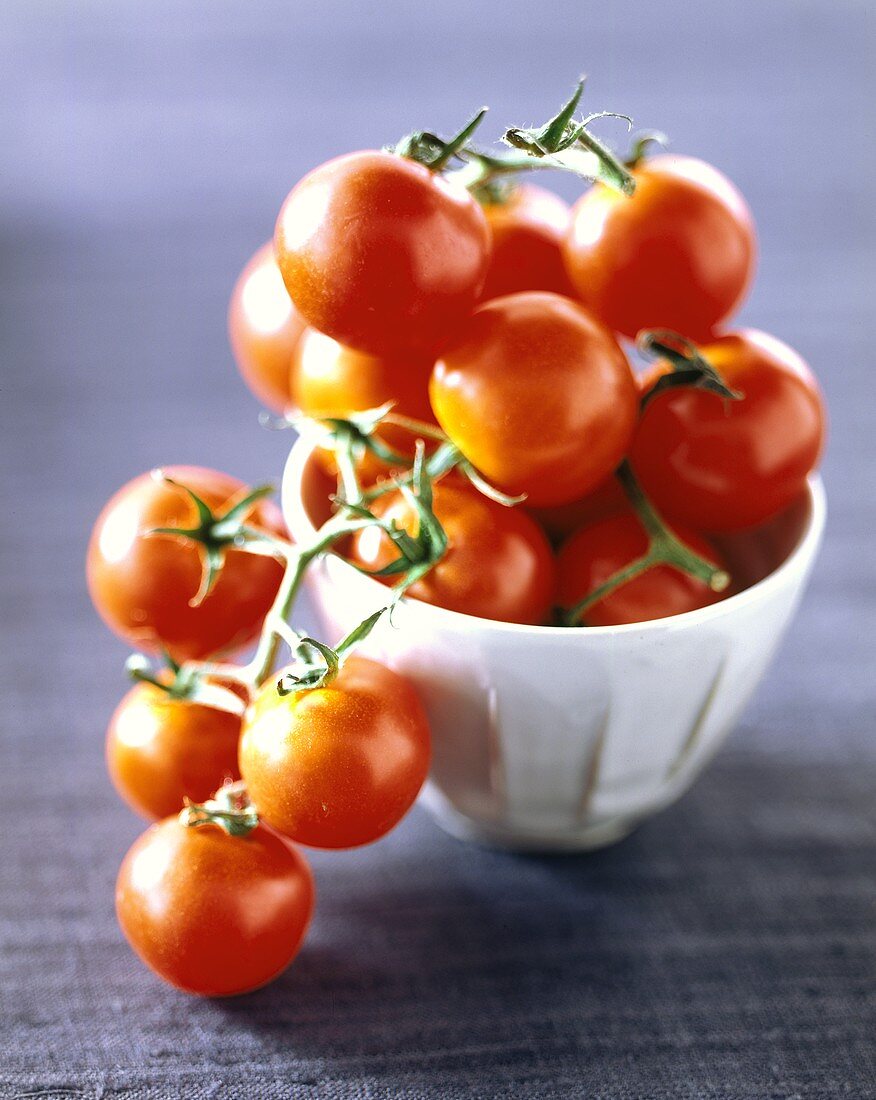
pixel 141 584
pixel 599 550
pixel 538 395
pixel 338 766
pixel 380 253
pixel 721 465
pixel 329 379
pixel 678 254
pixel 161 750
pixel 264 329
pixel 498 564
pixel 527 229
pixel 213 914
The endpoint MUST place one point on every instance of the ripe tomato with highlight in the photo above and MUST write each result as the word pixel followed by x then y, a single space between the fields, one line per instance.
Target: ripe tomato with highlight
pixel 264 328
pixel 678 254
pixel 538 395
pixel 721 465
pixel 336 766
pixel 210 913
pixel 161 749
pixel 142 584
pixel 382 254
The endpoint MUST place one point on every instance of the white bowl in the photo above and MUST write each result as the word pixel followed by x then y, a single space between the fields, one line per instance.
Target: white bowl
pixel 553 738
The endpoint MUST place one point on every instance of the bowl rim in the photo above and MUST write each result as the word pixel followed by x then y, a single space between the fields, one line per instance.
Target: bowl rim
pixel 800 557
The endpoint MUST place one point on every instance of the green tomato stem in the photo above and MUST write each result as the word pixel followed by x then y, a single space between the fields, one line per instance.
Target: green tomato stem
pixel 347 471
pixel 415 427
pixel 265 656
pixel 664 548
pixel 230 809
pixel 573 616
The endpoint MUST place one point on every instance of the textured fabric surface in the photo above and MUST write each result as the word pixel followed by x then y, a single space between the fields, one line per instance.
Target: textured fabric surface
pixel 725 950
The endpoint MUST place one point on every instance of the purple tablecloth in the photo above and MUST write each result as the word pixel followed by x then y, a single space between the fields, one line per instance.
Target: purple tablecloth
pixel 726 949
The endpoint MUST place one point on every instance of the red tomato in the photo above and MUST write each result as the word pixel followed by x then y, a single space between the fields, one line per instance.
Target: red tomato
pixel 528 229
pixel 381 253
pixel 338 766
pixel 210 913
pixel 538 395
pixel 596 552
pixel 161 750
pixel 721 465
pixel 331 380
pixel 141 584
pixel 561 520
pixel 498 564
pixel 264 328
pixel 678 254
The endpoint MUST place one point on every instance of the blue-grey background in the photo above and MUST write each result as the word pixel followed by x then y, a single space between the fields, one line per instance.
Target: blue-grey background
pixel 726 949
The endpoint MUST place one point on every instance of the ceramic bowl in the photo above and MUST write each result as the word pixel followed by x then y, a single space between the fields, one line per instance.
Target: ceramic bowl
pixel 553 738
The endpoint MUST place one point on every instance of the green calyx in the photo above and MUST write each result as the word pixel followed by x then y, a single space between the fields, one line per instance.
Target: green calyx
pixel 664 548
pixel 229 808
pixel 418 553
pixel 319 664
pixel 186 683
pixel 316 664
pixel 565 142
pixel 351 438
pixel 490 177
pixel 690 368
pixel 640 147
pixel 216 533
pixel 426 148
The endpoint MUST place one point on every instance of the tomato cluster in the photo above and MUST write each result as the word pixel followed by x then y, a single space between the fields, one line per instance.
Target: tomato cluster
pixel 459 337
pixel 215 898
pixel 501 315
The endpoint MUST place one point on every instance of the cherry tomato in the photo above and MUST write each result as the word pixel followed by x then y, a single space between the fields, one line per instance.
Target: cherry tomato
pixel 161 749
pixel 528 228
pixel 381 253
pixel 595 553
pixel 141 584
pixel 678 254
pixel 498 564
pixel 337 766
pixel 538 395
pixel 331 380
pixel 210 913
pixel 563 519
pixel 722 465
pixel 264 328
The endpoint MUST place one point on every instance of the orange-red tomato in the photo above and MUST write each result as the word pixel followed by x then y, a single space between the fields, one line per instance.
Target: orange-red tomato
pixel 538 395
pixel 720 465
pixel 528 228
pixel 337 766
pixel 381 253
pixel 141 584
pixel 329 379
pixel 161 749
pixel 498 564
pixel 563 519
pixel 679 254
pixel 210 913
pixel 264 328
pixel 595 553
